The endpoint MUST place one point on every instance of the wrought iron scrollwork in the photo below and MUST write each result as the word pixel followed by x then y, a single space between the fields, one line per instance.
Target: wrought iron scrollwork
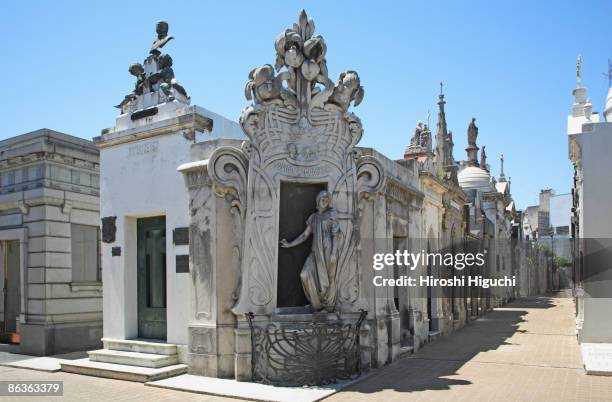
pixel 305 353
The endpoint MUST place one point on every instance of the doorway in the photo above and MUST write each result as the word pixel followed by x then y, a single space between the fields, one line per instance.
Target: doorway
pixel 151 255
pixel 297 203
pixel 11 285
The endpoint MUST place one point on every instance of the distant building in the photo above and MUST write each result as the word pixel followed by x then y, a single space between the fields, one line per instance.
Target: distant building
pixel 49 240
pixel 530 223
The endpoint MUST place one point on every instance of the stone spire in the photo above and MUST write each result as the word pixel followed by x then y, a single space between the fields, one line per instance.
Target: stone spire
pixel 442 151
pixel 502 178
pixel 472 149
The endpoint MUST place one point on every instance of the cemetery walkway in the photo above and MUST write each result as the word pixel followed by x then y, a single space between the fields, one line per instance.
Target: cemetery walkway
pixel 525 351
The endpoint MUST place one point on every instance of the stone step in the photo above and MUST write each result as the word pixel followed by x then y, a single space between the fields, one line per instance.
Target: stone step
pixel 140 345
pixel 150 360
pixel 406 350
pixel 434 336
pixel 120 371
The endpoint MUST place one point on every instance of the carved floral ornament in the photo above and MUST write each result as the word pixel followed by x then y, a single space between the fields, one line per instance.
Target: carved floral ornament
pixel 302 82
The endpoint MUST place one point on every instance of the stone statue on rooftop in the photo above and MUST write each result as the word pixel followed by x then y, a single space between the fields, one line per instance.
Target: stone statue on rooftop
pixel 416 137
pixel 162 38
pixel 165 77
pixel 425 141
pixel 137 70
pixel 472 133
pixel 483 158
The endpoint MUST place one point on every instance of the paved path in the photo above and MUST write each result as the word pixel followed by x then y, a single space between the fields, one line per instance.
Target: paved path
pixel 526 351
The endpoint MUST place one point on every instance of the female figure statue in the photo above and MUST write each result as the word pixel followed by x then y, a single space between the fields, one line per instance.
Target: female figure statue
pixel 319 272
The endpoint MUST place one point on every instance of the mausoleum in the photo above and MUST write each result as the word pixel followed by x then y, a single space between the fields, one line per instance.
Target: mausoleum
pixel 51 295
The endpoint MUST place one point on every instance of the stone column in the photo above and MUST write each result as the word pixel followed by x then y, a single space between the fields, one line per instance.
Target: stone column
pixel 214 266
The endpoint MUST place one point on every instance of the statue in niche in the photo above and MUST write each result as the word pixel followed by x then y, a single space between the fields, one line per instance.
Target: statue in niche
pixel 165 77
pixel 137 70
pixel 472 133
pixel 162 37
pixel 348 89
pixel 319 272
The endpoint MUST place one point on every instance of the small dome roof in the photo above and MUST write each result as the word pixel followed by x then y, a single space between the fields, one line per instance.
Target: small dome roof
pixel 474 178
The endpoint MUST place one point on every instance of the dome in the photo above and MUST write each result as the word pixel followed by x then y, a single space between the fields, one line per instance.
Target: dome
pixel 474 178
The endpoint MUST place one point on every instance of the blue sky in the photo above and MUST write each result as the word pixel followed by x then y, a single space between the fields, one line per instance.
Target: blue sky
pixel 510 64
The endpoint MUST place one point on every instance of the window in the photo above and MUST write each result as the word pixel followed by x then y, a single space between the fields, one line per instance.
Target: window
pixel 85 253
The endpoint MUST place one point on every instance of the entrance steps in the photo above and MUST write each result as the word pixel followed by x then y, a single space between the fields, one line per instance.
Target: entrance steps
pixel 138 360
pixel 140 346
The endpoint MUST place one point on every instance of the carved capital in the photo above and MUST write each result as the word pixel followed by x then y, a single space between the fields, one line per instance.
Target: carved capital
pixel 195 178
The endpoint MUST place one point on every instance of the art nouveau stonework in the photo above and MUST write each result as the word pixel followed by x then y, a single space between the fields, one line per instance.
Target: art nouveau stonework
pixel 300 130
pixel 301 133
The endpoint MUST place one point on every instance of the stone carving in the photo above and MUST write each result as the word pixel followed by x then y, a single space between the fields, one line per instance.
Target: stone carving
pixel 263 85
pixel 416 137
pixel 450 144
pixel 319 272
pixel 370 175
pixel 472 132
pixel 425 138
pixel 299 129
pixel 472 148
pixel 162 37
pixel 165 77
pixel 421 140
pixel 137 70
pixel 154 76
pixel 228 167
pixel 303 55
pixel 348 89
pixel 483 158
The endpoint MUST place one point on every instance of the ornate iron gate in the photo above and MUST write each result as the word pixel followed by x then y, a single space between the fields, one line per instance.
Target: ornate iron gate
pixel 305 353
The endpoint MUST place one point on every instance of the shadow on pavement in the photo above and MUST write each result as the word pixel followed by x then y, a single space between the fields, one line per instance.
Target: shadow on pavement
pixel 431 367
